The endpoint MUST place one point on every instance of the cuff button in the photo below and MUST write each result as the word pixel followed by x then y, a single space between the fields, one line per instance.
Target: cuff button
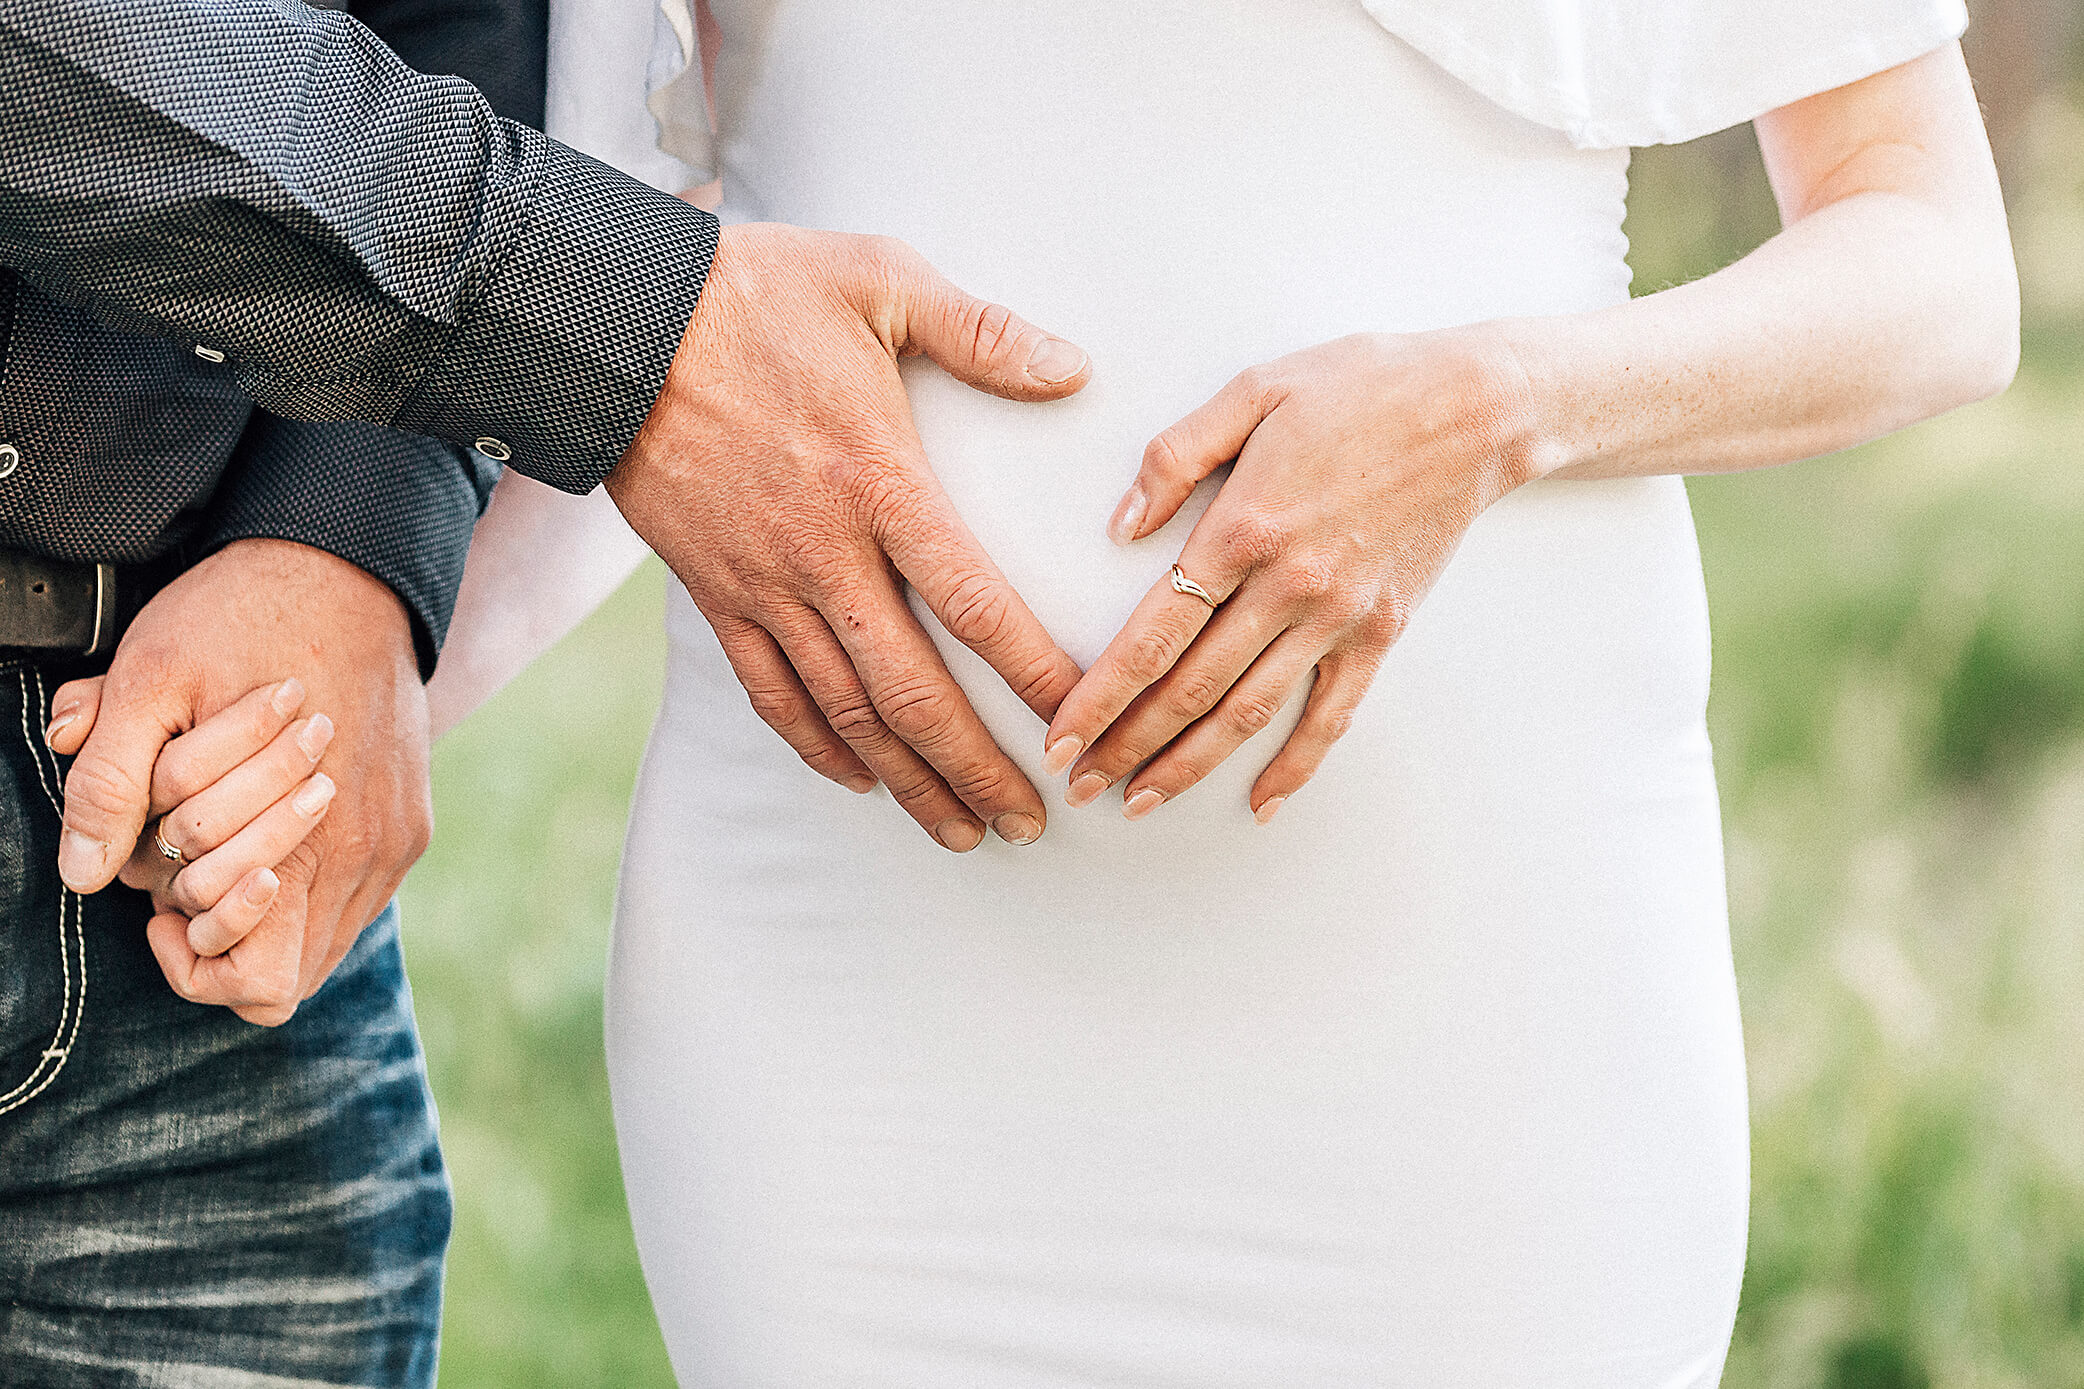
pixel 493 449
pixel 10 459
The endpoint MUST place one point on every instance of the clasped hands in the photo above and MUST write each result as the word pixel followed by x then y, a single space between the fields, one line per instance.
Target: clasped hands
pixel 780 478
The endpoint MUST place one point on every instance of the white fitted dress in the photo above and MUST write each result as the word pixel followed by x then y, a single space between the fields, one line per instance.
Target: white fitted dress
pixel 1437 1080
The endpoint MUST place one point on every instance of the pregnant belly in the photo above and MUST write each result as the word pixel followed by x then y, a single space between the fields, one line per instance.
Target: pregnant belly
pixel 1435 1079
pixel 1562 654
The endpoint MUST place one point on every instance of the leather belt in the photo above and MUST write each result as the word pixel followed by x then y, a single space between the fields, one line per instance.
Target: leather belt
pixel 57 605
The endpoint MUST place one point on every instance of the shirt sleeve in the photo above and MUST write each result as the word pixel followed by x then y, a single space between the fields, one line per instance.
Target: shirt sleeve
pixel 1612 73
pixel 408 523
pixel 364 242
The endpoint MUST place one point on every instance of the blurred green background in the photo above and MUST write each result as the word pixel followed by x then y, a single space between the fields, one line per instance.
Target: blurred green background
pixel 1899 721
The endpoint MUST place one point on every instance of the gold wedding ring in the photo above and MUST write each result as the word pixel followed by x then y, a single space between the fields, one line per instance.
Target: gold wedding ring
pixel 166 850
pixel 1182 584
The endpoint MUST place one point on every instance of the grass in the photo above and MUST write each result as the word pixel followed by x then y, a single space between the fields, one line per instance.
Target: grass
pixel 1899 718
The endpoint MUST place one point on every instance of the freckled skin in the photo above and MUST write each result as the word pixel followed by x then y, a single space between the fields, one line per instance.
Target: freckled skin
pixel 1358 465
pixel 781 480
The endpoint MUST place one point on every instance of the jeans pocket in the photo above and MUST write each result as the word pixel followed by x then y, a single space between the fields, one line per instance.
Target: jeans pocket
pixel 43 982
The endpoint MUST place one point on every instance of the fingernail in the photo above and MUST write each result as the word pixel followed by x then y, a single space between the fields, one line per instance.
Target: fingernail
pixel 288 695
pixel 1142 803
pixel 1086 789
pixel 80 859
pixel 861 783
pixel 1017 828
pixel 59 725
pixel 959 834
pixel 1061 753
pixel 1055 361
pixel 261 888
pixel 1128 517
pixel 1268 808
pixel 314 735
pixel 312 798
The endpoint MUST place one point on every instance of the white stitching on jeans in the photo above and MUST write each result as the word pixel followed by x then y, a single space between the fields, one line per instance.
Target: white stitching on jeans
pixel 71 1010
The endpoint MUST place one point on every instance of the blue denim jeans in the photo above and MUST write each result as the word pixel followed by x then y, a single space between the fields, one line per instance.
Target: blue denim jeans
pixel 187 1199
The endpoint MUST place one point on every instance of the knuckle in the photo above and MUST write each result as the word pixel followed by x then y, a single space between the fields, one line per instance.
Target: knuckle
pixel 980 784
pixel 174 777
pixel 1392 618
pixel 1161 457
pixel 1250 711
pixel 856 721
pixel 1253 382
pixel 188 828
pixel 1043 679
pixel 1149 656
pixel 988 327
pixel 778 708
pixel 979 611
pixel 1255 537
pixel 100 791
pixel 196 889
pixel 919 713
pixel 826 760
pixel 920 792
pixel 1315 583
pixel 1193 693
pixel 1336 723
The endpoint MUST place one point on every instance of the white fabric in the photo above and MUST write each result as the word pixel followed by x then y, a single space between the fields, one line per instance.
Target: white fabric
pixel 1435 1081
pixel 601 53
pixel 1607 73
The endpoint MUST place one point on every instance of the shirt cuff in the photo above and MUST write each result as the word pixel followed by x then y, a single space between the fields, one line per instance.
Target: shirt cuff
pixel 396 506
pixel 554 370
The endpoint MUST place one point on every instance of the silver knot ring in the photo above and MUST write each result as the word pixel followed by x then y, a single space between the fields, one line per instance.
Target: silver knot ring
pixel 1182 584
pixel 166 850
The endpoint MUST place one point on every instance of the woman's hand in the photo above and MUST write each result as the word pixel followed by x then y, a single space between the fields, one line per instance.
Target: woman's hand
pixel 1359 464
pixel 234 795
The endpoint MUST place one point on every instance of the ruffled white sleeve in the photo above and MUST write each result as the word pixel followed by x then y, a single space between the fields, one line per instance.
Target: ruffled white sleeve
pixel 1609 73
pixel 675 85
pixel 602 54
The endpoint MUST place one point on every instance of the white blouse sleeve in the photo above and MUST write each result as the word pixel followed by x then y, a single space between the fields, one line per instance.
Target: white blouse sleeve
pixel 677 97
pixel 601 56
pixel 1609 73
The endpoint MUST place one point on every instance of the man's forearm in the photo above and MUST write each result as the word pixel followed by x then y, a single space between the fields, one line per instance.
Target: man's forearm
pixel 362 241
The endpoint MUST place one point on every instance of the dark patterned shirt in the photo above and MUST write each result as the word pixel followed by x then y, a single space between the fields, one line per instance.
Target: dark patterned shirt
pixel 270 185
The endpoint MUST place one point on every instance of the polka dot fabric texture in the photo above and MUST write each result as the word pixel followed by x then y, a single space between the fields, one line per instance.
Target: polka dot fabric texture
pixel 361 241
pixel 320 227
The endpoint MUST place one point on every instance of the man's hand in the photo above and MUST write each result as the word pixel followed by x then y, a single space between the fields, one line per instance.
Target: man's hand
pixel 256 612
pixel 781 479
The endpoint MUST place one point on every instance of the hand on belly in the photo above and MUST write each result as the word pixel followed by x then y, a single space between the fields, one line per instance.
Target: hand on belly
pixel 1359 464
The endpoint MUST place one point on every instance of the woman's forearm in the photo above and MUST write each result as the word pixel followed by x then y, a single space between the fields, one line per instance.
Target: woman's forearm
pixel 1889 297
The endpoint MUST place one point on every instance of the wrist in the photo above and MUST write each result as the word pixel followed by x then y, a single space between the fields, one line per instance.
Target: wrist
pixel 1524 387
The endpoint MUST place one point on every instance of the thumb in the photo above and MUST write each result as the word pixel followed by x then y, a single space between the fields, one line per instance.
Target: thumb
pixel 986 345
pixel 108 791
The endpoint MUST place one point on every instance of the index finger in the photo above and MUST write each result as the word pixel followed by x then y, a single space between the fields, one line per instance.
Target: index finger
pixel 944 561
pixel 1148 645
pixel 204 755
pixel 919 700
